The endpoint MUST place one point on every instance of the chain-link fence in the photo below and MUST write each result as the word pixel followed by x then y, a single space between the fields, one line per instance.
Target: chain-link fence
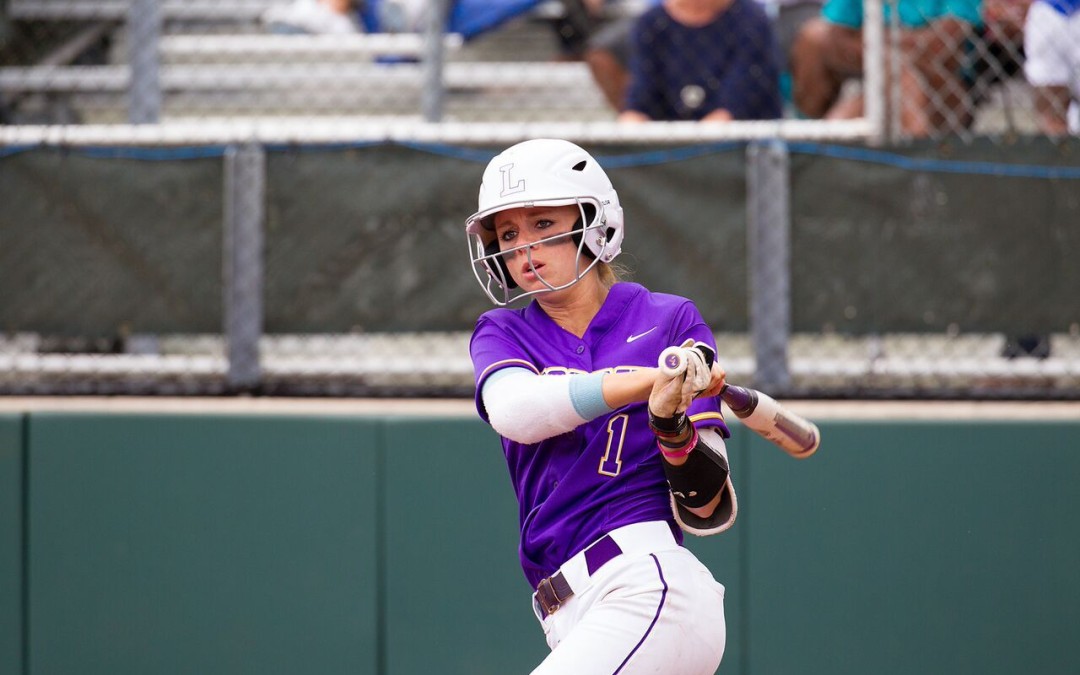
pixel 825 270
pixel 969 68
pixel 210 197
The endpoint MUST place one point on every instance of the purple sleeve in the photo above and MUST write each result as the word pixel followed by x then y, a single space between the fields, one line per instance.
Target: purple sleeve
pixel 491 350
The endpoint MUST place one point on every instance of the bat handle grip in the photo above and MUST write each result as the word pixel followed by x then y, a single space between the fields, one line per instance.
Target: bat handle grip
pixel 672 362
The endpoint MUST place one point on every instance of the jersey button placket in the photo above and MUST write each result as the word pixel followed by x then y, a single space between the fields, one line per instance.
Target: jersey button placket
pixel 583 361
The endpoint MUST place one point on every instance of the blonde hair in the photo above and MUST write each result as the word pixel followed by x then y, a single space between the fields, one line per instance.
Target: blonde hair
pixel 611 273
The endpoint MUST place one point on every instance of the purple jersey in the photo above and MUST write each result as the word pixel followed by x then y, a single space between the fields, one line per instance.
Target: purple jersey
pixel 574 488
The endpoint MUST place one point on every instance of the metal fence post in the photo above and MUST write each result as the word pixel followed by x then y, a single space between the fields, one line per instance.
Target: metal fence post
pixel 5 24
pixel 769 249
pixel 434 60
pixel 894 64
pixel 144 32
pixel 874 69
pixel 245 196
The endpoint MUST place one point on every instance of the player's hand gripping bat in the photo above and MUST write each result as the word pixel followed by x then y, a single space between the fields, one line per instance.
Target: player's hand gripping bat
pixel 795 435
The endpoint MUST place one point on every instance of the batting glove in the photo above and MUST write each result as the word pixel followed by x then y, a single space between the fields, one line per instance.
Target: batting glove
pixel 671 397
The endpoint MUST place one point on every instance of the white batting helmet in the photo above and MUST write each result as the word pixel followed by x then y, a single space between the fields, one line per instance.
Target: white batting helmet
pixel 543 172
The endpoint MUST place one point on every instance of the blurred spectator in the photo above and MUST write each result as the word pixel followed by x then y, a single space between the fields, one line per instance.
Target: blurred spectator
pixel 788 17
pixel 1003 32
pixel 608 56
pixel 580 18
pixel 608 51
pixel 707 60
pixel 336 17
pixel 933 38
pixel 396 16
pixel 998 55
pixel 1052 45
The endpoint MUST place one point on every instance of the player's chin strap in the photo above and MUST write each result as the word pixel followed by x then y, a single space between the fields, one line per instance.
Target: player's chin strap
pixel 696 482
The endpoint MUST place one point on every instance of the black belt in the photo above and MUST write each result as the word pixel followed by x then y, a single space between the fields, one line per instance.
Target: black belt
pixel 552 592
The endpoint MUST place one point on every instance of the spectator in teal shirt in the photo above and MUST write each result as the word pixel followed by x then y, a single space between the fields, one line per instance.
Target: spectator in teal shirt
pixel 913 13
pixel 933 38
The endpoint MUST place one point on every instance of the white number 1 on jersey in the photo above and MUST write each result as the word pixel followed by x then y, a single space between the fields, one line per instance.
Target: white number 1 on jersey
pixel 611 463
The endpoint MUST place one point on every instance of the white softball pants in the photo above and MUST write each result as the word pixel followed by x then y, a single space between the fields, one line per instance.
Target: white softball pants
pixel 653 609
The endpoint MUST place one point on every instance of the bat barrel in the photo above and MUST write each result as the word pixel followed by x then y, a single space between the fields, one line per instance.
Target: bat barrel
pixel 795 435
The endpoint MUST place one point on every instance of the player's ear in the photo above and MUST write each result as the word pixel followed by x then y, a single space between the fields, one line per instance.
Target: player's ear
pixel 589 212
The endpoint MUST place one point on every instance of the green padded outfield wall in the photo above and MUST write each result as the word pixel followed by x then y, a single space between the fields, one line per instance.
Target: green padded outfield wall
pixel 11 544
pixel 917 548
pixel 457 601
pixel 347 544
pixel 231 545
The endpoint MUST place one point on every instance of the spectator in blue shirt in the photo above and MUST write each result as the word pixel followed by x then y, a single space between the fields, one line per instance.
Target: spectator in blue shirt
pixel 706 60
pixel 608 55
pixel 933 35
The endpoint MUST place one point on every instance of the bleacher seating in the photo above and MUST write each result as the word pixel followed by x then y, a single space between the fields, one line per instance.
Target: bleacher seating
pixel 258 48
pixel 117 10
pixel 217 60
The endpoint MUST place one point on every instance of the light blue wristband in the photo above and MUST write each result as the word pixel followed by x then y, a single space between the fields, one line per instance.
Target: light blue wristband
pixel 587 395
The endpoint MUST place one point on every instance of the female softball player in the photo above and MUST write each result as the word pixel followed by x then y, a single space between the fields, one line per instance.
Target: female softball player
pixel 610 460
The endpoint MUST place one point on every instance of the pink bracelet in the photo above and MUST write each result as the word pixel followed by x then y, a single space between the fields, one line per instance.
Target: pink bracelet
pixel 682 451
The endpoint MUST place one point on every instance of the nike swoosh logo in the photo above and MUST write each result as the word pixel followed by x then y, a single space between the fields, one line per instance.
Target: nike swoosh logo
pixel 640 335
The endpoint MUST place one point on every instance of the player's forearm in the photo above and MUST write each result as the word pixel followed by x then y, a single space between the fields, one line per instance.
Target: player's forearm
pixel 621 389
pixel 696 468
pixel 527 407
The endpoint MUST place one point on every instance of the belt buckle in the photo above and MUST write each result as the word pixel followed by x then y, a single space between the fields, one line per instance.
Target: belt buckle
pixel 544 597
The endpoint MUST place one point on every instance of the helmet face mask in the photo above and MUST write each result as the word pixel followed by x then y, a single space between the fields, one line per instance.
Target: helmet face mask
pixel 540 173
pixel 491 267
